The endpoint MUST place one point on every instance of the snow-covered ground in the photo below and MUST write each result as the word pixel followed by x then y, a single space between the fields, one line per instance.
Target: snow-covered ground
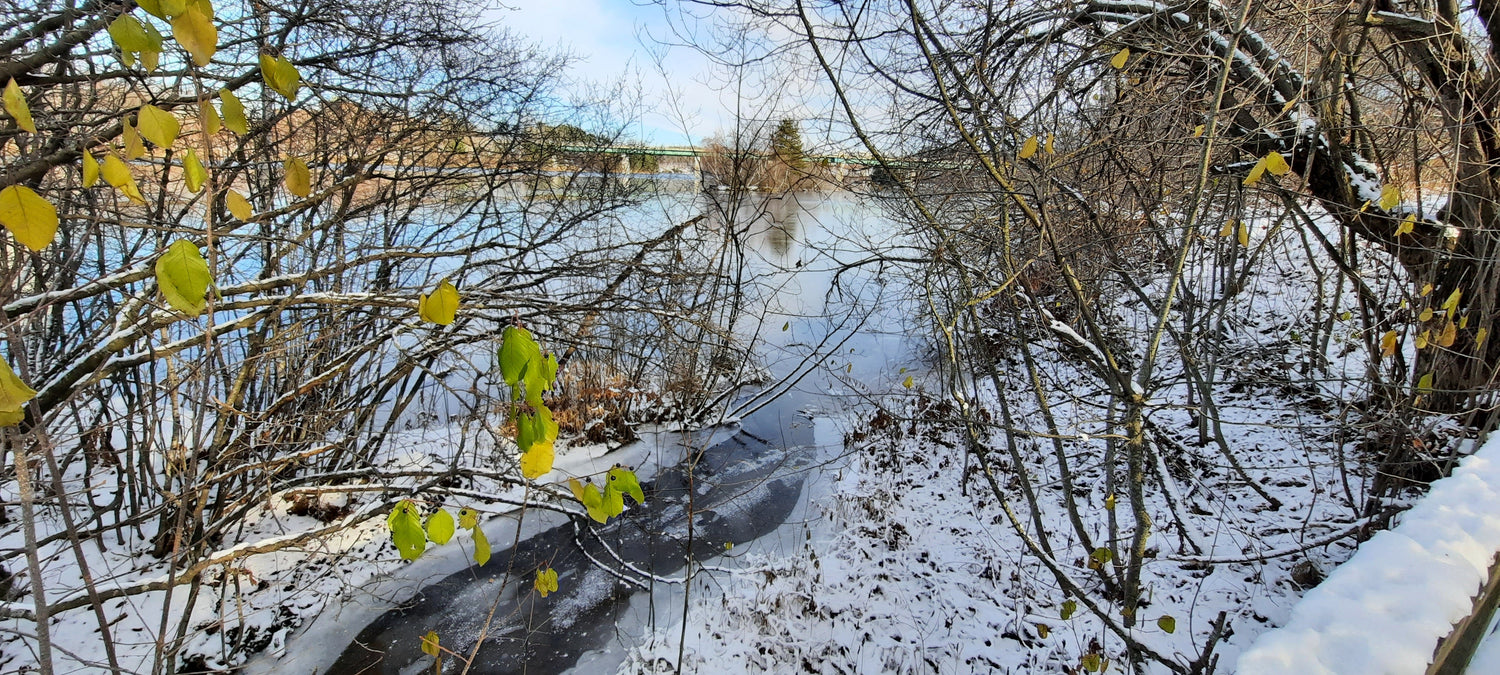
pixel 909 564
pixel 1384 610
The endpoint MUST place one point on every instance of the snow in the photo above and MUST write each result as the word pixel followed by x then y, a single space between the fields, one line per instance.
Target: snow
pixel 1385 609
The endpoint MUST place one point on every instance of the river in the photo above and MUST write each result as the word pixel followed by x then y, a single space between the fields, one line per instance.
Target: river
pixel 826 326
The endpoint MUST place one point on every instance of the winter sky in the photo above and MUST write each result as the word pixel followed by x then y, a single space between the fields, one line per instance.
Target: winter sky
pixel 610 39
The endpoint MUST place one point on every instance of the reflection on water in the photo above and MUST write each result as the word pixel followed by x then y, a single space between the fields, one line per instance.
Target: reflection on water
pixel 813 325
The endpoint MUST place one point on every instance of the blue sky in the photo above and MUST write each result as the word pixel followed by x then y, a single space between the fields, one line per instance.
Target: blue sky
pixel 607 38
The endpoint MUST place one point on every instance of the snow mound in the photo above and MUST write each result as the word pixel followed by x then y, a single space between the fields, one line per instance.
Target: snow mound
pixel 1385 609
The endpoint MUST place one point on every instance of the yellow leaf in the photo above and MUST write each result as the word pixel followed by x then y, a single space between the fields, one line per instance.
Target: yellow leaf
pixel 90 169
pixel 1426 290
pixel 118 176
pixel 10 418
pixel 134 148
pixel 1390 197
pixel 196 33
pixel 1244 234
pixel 481 547
pixel 1256 172
pixel 183 276
pixel 13 392
pixel 1425 384
pixel 150 60
pixel 193 172
pixel 1422 340
pixel 1276 164
pixel 1449 335
pixel 234 113
pixel 537 461
pixel 158 126
pixel 1042 631
pixel 15 106
pixel 1228 229
pixel 1109 502
pixel 1480 336
pixel 440 307
pixel 171 8
pixel 1028 149
pixel 1453 299
pixel 280 75
pixel 1388 344
pixel 1407 225
pixel 1426 314
pixel 430 643
pixel 907 382
pixel 298 178
pixel 208 116
pixel 1463 322
pixel 1198 130
pixel 1120 58
pixel 546 581
pixel 203 6
pixel 238 206
pixel 1048 149
pixel 30 219
pixel 152 7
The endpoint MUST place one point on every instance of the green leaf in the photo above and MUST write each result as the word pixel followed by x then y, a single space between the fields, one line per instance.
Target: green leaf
pixel 129 35
pixel 298 178
pixel 183 276
pixel 517 350
pixel 613 502
pixel 16 107
pixel 1102 555
pixel 1068 608
pixel 406 530
pixel 467 518
pixel 31 219
pixel 171 8
pixel 1092 662
pixel 589 496
pixel 624 480
pixel 430 643
pixel 440 527
pixel 442 306
pixel 1167 623
pixel 481 547
pixel 195 31
pixel 193 172
pixel 234 113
